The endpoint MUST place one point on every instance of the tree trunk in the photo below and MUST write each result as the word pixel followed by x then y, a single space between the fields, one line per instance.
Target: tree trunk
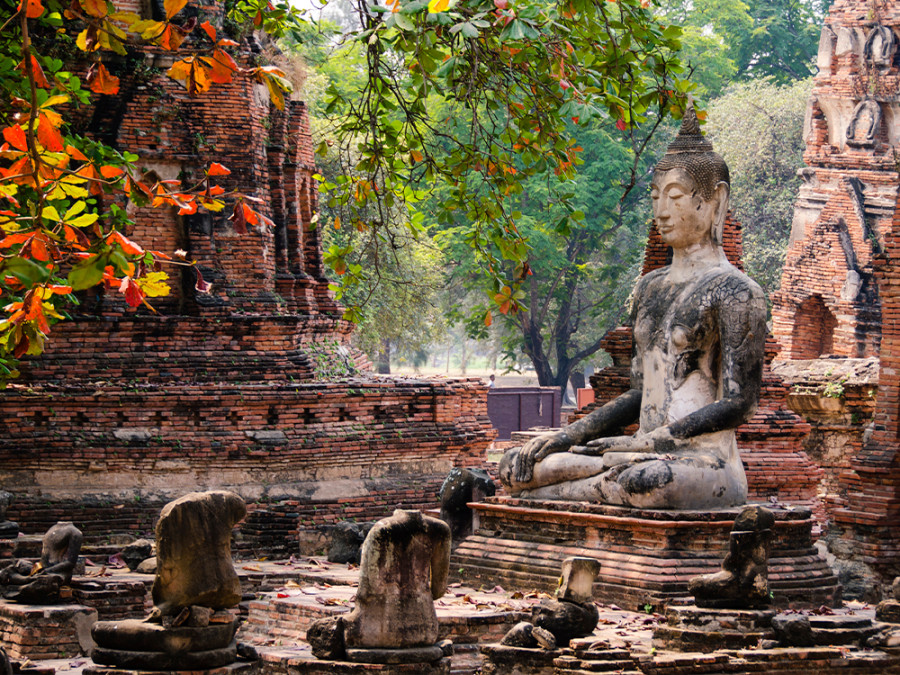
pixel 383 358
pixel 576 378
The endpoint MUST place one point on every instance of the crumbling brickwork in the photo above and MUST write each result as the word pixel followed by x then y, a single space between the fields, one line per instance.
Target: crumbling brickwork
pixel 128 409
pixel 829 303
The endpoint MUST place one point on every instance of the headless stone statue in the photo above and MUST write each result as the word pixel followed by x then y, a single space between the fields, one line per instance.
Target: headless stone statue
pixel 573 614
pixel 699 336
pixel 403 570
pixel 27 583
pixel 195 583
pixel 8 528
pixel 193 552
pixel 743 581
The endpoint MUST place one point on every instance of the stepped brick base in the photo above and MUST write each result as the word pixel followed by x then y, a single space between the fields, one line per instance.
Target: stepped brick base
pixel 233 669
pixel 818 660
pixel 698 629
pixel 306 664
pixel 285 620
pixel 45 631
pixel 647 557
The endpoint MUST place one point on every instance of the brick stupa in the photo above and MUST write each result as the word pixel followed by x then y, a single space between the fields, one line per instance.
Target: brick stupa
pixel 128 409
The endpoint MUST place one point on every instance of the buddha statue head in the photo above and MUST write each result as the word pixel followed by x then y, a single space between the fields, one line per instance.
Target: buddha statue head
pixel 691 172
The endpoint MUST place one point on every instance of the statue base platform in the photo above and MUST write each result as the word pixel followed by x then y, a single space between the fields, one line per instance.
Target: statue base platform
pixel 700 629
pixel 241 668
pixel 419 655
pixel 579 658
pixel 39 632
pixel 647 557
pixel 313 666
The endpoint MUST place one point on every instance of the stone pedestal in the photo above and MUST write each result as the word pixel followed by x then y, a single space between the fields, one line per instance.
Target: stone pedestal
pixel 646 557
pixel 579 659
pixel 139 645
pixel 313 666
pixel 700 629
pixel 45 631
pixel 232 669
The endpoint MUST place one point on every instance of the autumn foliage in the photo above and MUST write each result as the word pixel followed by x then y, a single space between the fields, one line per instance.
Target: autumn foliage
pixel 63 197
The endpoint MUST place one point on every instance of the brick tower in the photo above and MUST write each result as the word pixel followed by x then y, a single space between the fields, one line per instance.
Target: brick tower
pixel 829 301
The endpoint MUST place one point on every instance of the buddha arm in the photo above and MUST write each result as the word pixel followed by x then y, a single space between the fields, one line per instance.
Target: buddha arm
pixel 620 412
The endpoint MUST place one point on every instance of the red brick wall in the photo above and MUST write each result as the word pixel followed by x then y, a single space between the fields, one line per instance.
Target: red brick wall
pixel 127 409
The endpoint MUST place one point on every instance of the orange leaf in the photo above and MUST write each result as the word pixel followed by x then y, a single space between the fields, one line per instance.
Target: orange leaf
pixel 172 7
pixel 33 8
pixel 198 82
pixel 111 171
pixel 12 239
pixel 216 169
pixel 40 79
pixel 94 7
pixel 101 82
pixel 225 42
pixel 171 38
pixel 127 245
pixel 15 136
pixel 488 318
pixel 258 19
pixel 75 153
pixel 76 237
pixel 210 30
pixel 223 67
pixel 48 135
pixel 39 250
pixel 58 290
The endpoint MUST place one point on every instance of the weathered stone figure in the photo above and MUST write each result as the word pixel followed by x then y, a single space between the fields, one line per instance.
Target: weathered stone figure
pixel 573 614
pixel 699 334
pixel 189 627
pixel 29 584
pixel 743 581
pixel 403 570
pixel 193 551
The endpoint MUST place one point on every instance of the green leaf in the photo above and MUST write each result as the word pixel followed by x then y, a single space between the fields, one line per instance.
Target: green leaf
pixel 26 271
pixel 87 274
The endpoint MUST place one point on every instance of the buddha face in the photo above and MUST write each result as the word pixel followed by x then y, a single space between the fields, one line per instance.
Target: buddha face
pixel 684 219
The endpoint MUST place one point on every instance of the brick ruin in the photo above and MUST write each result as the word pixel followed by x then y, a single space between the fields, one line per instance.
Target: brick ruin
pixel 129 409
pixel 833 312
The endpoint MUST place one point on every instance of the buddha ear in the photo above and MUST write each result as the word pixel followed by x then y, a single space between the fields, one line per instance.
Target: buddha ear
pixel 720 199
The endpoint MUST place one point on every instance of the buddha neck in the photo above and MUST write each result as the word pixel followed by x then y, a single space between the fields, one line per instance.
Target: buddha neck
pixel 687 262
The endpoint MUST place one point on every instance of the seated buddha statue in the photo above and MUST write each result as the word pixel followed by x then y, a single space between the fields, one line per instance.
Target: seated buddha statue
pixel 697 357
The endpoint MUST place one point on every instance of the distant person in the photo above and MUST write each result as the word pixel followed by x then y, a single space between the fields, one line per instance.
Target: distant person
pixel 492 381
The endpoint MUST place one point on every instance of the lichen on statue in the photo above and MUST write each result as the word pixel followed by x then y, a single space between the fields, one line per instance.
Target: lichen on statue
pixel 697 358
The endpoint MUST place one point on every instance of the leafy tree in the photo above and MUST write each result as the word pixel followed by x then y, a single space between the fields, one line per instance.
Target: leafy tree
pixel 475 97
pixel 577 278
pixel 757 127
pixel 63 196
pixel 733 40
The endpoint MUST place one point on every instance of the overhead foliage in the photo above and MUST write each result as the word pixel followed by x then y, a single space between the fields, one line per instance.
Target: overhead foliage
pixel 474 98
pixel 62 196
